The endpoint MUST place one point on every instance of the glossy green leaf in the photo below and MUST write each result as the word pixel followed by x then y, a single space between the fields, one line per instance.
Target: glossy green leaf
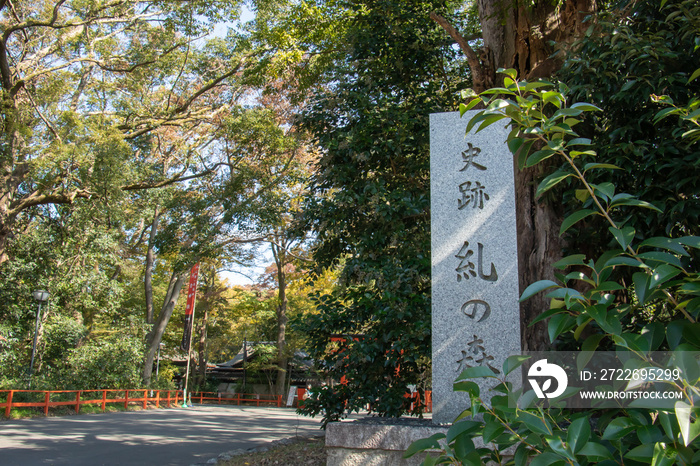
pixel 476 372
pixel 430 443
pixel 513 362
pixel 574 218
pixel 578 434
pixel 688 421
pixel 595 452
pixel 643 453
pixel 551 181
pixel 623 236
pixel 536 288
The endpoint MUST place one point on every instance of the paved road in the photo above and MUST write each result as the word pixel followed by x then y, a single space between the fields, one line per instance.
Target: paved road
pixel 156 437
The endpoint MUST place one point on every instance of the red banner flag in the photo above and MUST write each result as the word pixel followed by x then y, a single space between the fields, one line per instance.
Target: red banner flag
pixel 189 310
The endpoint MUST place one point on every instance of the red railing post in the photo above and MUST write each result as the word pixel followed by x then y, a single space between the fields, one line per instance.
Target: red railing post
pixel 145 399
pixel 104 400
pixel 168 398
pixel 126 401
pixel 9 404
pixel 279 401
pixel 77 402
pixel 47 396
pixel 157 398
pixel 201 398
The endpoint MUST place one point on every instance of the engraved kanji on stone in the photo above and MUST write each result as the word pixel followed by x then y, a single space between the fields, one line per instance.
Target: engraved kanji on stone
pixel 476 307
pixel 468 157
pixel 472 193
pixel 475 355
pixel 466 268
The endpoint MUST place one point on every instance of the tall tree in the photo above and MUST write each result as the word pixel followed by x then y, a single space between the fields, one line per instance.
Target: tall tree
pixel 531 38
pixel 369 201
pixel 85 86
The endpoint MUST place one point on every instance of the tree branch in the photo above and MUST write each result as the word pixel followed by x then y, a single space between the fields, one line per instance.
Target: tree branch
pixel 478 75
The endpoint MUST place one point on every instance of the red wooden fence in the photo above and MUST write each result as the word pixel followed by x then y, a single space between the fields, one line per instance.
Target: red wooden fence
pixel 139 397
pixel 144 398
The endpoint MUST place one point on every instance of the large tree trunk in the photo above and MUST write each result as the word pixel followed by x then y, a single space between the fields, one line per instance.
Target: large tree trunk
pixel 148 274
pixel 518 36
pixel 202 365
pixel 280 255
pixel 156 333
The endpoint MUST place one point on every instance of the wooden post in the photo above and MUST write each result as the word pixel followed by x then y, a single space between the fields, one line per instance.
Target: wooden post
pixel 9 404
pixel 145 399
pixel 126 401
pixel 104 400
pixel 77 402
pixel 201 398
pixel 168 398
pixel 157 398
pixel 47 396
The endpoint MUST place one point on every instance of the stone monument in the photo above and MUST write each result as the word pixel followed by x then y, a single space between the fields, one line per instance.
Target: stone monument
pixel 476 315
pixel 475 310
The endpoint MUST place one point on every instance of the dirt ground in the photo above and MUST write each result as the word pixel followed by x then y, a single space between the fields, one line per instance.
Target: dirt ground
pixel 306 452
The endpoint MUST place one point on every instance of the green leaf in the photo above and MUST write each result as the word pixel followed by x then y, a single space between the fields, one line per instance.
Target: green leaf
pixel 662 274
pixel 578 434
pixel 575 259
pixel 535 423
pixel 489 120
pixel 623 236
pixel 618 428
pixel 595 452
pixel 557 446
pixel 635 203
pixel 547 459
pixel 551 181
pixel 539 156
pixel 592 165
pixel 586 107
pixel 513 362
pixel 606 189
pixel 653 333
pixel 574 218
pixel 461 428
pixel 559 324
pixel 492 430
pixel 609 322
pixel 521 455
pixel 475 373
pixel 694 76
pixel 664 455
pixel 691 241
pixel 643 453
pixel 466 386
pixel 689 429
pixel 549 313
pixel 665 243
pixel 465 108
pixel 641 286
pixel 660 256
pixel 536 288
pixel 430 443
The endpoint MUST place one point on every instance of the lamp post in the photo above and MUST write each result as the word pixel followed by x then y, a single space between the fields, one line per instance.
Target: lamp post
pixel 41 296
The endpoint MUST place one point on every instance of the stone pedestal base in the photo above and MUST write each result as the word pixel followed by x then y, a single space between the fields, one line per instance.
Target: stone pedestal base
pixel 376 441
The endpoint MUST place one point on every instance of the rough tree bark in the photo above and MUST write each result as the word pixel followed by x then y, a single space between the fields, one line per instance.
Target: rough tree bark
pixel 202 363
pixel 156 334
pixel 518 36
pixel 148 274
pixel 280 255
